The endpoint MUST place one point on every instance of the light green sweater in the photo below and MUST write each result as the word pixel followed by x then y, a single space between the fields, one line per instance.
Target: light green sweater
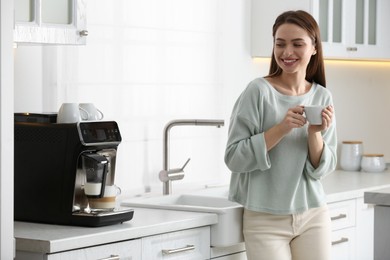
pixel 282 180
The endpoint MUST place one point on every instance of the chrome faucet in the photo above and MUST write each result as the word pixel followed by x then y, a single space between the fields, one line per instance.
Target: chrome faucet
pixel 167 175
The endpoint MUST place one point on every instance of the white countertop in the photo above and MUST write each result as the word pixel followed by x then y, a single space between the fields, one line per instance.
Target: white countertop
pixel 343 185
pixel 339 185
pixel 45 238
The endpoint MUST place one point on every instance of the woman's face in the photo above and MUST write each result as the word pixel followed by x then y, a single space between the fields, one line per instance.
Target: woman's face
pixel 293 48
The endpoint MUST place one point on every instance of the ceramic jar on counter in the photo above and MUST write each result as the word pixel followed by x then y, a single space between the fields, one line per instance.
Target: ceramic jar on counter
pixel 373 163
pixel 351 155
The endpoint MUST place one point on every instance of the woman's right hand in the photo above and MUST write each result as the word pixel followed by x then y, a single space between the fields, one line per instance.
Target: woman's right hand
pixel 294 118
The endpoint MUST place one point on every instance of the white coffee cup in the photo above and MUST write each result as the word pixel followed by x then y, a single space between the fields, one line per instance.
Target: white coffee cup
pixel 108 201
pixel 91 112
pixel 314 114
pixel 70 113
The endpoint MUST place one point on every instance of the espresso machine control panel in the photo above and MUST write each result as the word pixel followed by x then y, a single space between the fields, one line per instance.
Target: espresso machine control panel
pixel 99 132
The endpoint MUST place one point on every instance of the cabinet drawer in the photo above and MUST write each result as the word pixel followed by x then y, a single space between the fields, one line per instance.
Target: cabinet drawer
pixel 121 250
pixel 237 256
pixel 343 244
pixel 343 214
pixel 187 244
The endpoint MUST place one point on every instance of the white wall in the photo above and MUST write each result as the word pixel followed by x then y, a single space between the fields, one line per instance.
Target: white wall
pixel 150 61
pixel 361 92
pixel 6 131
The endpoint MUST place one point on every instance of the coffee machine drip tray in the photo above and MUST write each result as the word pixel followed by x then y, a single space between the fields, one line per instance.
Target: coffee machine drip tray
pixel 98 218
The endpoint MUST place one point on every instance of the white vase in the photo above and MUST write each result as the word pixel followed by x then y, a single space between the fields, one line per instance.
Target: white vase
pixel 373 163
pixel 351 155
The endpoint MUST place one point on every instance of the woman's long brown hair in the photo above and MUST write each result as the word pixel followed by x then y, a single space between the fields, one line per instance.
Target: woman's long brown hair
pixel 315 70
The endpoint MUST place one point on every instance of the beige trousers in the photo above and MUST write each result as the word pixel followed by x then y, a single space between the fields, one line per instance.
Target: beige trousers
pixel 303 236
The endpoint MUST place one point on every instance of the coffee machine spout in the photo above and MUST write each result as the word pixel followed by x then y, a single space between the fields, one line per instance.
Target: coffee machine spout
pixel 95 169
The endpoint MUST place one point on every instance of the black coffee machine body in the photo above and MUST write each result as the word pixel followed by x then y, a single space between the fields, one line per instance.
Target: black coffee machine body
pixel 49 175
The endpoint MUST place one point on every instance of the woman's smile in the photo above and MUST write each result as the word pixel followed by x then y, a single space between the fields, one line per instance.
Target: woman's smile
pixel 289 61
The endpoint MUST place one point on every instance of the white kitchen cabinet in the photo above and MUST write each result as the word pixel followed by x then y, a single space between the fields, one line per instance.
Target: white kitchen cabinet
pixel 344 244
pixel 122 250
pixel 353 29
pixel 343 216
pixel 350 29
pixel 237 256
pixel 186 244
pixel 130 250
pixel 50 22
pixel 352 230
pixel 234 252
pixel 364 230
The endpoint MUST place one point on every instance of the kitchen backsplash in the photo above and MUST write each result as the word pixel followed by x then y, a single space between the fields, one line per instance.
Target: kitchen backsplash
pixel 147 62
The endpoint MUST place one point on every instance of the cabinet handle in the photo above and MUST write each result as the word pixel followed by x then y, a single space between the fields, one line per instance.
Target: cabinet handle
pixel 112 257
pixel 83 33
pixel 341 240
pixel 352 49
pixel 178 250
pixel 340 216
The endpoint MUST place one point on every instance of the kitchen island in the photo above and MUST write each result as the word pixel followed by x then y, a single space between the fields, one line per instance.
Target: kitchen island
pixel 345 191
pixel 381 199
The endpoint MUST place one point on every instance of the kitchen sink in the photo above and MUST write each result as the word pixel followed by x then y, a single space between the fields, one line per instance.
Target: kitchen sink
pixel 228 230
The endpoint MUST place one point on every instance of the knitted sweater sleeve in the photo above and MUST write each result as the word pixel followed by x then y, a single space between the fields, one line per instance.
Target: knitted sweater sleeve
pixel 246 148
pixel 328 160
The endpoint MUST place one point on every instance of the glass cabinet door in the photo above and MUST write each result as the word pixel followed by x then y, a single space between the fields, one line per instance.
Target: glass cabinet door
pixel 57 11
pixel 24 10
pixel 353 29
pixel 330 20
pixel 366 19
pixel 332 17
pixel 50 22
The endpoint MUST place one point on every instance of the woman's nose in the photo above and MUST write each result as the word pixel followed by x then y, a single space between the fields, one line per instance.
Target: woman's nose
pixel 288 51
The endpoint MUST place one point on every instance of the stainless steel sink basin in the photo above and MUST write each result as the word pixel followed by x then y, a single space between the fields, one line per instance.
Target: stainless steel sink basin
pixel 228 230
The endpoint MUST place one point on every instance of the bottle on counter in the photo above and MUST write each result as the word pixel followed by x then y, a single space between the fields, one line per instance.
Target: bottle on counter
pixel 351 155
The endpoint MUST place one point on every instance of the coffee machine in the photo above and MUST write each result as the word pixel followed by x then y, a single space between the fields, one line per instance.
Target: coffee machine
pixel 53 165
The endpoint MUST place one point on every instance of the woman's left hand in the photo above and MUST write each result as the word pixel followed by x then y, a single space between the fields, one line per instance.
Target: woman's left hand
pixel 327 118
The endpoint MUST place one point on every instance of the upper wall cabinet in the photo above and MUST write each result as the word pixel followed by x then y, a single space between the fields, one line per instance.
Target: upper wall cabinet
pixel 350 29
pixel 263 15
pixel 354 29
pixel 50 22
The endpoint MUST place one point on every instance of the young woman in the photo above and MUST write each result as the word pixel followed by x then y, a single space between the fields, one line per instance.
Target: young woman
pixel 276 157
